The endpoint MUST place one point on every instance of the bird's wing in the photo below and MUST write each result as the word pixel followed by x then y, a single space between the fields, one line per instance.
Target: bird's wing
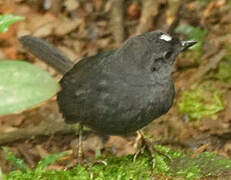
pixel 78 85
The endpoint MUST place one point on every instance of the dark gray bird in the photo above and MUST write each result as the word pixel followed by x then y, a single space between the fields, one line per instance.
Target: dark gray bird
pixel 120 91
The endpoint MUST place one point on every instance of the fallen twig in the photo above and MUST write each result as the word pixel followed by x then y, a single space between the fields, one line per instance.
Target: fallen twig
pixel 46 128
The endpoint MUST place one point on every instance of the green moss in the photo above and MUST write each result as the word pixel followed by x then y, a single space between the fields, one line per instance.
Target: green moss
pixel 179 165
pixel 201 101
pixel 189 167
pixel 224 70
pixel 205 164
pixel 124 168
pixel 162 162
pixel 117 168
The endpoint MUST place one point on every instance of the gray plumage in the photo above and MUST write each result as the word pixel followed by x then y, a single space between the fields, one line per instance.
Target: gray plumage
pixel 121 91
pixel 51 55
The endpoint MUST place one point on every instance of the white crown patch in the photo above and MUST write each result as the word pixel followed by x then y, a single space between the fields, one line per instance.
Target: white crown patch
pixel 166 37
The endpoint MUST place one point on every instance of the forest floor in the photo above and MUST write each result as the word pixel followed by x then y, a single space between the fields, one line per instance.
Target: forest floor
pixel 200 119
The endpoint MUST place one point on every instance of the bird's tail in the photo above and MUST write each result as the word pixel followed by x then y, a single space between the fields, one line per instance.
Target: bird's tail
pixel 47 53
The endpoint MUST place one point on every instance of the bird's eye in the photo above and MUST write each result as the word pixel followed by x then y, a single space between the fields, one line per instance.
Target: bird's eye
pixel 168 54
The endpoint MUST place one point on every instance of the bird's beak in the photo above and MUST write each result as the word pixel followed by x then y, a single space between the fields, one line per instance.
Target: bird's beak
pixel 186 44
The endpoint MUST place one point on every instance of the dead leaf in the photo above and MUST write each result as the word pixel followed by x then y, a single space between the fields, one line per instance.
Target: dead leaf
pixel 42 152
pixel 120 146
pixel 98 4
pixel 134 11
pixel 65 26
pixel 71 5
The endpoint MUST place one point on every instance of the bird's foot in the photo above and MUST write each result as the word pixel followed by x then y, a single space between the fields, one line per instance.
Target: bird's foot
pixel 143 143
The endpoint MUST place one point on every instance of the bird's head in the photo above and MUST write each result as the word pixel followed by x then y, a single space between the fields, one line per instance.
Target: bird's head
pixel 165 48
pixel 155 51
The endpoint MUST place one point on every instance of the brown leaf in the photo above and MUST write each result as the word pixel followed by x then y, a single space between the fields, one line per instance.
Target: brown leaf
pixel 71 5
pixel 42 152
pixel 98 4
pixel 65 26
pixel 134 11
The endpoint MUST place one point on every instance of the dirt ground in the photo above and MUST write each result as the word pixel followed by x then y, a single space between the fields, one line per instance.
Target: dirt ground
pixel 82 28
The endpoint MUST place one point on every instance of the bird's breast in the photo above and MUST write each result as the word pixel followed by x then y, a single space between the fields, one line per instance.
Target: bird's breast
pixel 122 108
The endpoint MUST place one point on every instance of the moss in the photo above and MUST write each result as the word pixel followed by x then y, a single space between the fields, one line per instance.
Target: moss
pixel 117 168
pixel 204 165
pixel 201 101
pixel 224 69
pixel 179 165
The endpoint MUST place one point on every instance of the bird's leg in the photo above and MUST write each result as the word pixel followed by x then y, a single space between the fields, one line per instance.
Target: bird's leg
pixel 141 143
pixel 77 148
pixel 80 143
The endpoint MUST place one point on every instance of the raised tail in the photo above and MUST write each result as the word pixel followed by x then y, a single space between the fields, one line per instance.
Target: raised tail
pixel 47 53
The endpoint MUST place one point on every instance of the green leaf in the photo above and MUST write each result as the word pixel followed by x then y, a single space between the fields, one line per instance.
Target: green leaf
pixel 23 86
pixel 19 163
pixel 7 20
pixel 50 159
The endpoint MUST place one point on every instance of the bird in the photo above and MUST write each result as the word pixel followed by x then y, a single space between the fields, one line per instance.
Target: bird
pixel 115 92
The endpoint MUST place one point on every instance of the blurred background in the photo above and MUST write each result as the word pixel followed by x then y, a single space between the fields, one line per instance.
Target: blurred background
pixel 201 114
